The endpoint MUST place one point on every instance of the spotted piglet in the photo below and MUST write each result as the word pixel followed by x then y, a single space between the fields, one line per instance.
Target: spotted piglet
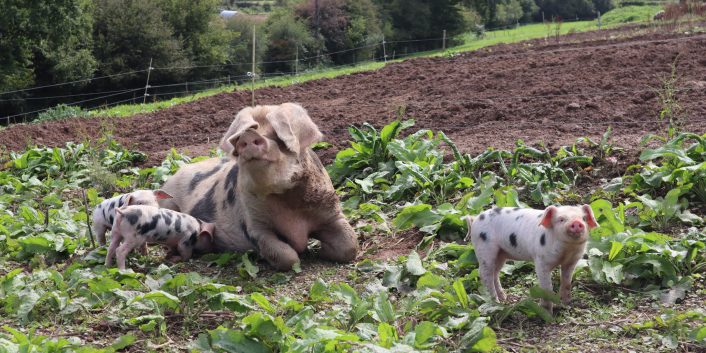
pixel 104 213
pixel 137 225
pixel 552 237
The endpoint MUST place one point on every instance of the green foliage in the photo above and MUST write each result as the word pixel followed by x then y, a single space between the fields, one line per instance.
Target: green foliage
pixel 678 164
pixel 61 111
pixel 426 301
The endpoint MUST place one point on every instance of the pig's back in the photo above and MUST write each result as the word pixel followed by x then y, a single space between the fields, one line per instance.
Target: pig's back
pixel 515 230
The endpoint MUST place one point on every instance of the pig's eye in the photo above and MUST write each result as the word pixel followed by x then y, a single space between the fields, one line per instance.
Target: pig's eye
pixel 562 219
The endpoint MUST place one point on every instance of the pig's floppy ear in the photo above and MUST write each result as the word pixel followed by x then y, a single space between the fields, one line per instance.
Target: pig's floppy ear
pixel 547 217
pixel 590 218
pixel 294 127
pixel 242 122
pixel 207 230
pixel 161 194
pixel 128 200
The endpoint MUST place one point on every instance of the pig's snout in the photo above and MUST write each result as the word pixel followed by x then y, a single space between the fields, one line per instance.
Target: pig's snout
pixel 576 227
pixel 251 146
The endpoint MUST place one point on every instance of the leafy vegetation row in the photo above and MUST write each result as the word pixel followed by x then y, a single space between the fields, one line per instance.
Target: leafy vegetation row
pixel 51 278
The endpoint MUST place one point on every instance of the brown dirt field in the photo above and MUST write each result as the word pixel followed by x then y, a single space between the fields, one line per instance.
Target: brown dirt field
pixel 535 91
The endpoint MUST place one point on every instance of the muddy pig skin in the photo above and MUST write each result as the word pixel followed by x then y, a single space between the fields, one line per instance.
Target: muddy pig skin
pixel 104 213
pixel 552 237
pixel 271 195
pixel 136 225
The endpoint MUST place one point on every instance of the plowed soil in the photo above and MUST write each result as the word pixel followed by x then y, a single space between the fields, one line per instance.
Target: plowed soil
pixel 539 91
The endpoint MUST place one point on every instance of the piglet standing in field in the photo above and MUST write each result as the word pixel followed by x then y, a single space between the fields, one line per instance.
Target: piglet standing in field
pixel 137 225
pixel 104 213
pixel 553 237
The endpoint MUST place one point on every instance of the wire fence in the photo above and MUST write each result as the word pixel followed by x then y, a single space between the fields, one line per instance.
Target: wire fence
pixel 110 98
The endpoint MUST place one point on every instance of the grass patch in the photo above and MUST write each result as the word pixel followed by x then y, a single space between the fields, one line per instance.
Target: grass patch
pixel 629 14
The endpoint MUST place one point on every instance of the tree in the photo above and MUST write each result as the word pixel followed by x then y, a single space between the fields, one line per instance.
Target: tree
pixel 43 42
pixel 285 34
pixel 509 12
pixel 423 19
pixel 240 48
pixel 343 25
pixel 203 34
pixel 128 33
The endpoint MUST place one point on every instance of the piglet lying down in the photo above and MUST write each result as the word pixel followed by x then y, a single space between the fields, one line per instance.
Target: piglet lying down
pixel 135 226
pixel 552 237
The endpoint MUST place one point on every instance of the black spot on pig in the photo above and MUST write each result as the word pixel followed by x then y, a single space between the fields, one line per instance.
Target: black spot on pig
pixel 542 239
pixel 483 236
pixel 192 239
pixel 482 216
pixel 229 185
pixel 167 217
pixel 199 177
pixel 111 206
pixel 508 211
pixel 515 208
pixel 513 240
pixel 177 223
pixel 518 217
pixel 133 216
pixel 104 215
pixel 498 210
pixel 111 219
pixel 121 201
pixel 150 226
pixel 206 207
pixel 540 215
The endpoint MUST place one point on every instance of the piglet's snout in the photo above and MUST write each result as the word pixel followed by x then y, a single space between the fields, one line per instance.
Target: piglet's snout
pixel 251 145
pixel 576 227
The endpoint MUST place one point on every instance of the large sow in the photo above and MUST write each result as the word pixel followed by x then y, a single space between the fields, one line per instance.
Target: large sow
pixel 272 195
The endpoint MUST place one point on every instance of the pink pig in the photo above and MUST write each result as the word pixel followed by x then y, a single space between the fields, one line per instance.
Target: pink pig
pixel 552 237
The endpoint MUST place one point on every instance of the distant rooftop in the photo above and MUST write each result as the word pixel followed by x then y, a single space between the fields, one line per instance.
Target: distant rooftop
pixel 228 13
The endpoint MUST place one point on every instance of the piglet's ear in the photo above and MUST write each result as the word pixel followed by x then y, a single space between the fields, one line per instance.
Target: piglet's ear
pixel 207 230
pixel 547 217
pixel 294 127
pixel 161 194
pixel 128 200
pixel 243 121
pixel 590 219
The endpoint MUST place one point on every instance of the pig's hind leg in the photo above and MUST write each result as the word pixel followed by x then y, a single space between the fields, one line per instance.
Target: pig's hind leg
pixel 487 263
pixel 499 262
pixel 338 241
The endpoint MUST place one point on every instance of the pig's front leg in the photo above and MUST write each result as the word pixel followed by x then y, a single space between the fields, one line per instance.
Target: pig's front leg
pixel 544 274
pixel 278 253
pixel 338 241
pixel 567 271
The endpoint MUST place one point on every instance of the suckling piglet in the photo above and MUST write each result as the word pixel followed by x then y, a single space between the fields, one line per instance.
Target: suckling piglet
pixel 104 213
pixel 552 237
pixel 136 225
